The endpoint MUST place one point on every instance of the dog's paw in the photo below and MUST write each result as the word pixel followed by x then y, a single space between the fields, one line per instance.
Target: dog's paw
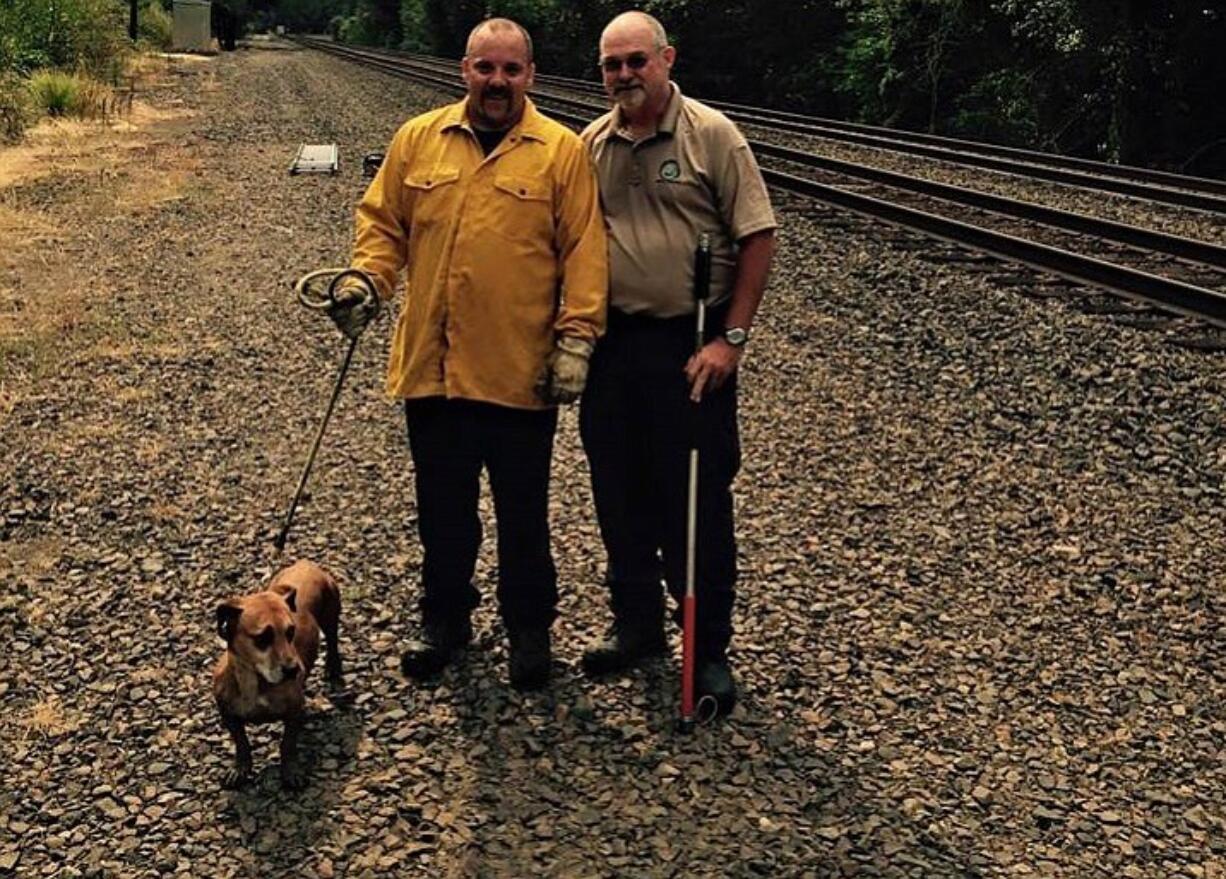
pixel 293 777
pixel 235 778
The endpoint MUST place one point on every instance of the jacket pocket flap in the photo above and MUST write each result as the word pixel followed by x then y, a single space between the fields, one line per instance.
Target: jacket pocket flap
pixel 527 188
pixel 432 178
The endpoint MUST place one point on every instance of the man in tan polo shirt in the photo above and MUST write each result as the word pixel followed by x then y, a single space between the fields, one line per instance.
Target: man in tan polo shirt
pixel 669 169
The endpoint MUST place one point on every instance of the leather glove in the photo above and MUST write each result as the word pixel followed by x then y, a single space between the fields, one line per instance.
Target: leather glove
pixel 354 308
pixel 565 371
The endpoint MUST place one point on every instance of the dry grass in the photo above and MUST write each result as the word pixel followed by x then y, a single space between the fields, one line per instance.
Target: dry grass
pixel 133 395
pixel 147 674
pixel 33 332
pixel 37 556
pixel 164 511
pixel 149 450
pixel 49 718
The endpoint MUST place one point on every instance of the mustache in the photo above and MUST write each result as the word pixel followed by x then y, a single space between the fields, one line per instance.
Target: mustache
pixel 496 93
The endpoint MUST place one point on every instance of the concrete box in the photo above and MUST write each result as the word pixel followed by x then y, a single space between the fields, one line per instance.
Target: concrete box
pixel 192 30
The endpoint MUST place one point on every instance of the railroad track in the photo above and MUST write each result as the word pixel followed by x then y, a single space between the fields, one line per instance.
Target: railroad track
pixel 1160 186
pixel 1173 273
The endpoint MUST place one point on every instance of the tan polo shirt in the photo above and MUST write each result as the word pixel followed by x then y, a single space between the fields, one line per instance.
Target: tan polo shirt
pixel 695 174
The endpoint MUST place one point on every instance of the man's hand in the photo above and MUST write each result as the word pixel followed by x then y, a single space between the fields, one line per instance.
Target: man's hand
pixel 353 309
pixel 565 371
pixel 711 367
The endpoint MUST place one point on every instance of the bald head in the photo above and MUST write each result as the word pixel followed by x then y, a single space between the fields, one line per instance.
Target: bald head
pixel 496 26
pixel 637 24
pixel 635 62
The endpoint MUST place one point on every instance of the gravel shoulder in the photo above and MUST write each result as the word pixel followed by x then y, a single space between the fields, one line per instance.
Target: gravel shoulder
pixel 983 578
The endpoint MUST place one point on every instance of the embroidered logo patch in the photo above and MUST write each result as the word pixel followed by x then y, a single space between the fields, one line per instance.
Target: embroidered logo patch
pixel 670 170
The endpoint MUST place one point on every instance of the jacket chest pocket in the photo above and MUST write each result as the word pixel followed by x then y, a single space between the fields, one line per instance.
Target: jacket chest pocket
pixel 522 208
pixel 432 196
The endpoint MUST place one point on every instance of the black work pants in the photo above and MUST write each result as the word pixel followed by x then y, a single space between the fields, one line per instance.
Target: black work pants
pixel 637 424
pixel 451 441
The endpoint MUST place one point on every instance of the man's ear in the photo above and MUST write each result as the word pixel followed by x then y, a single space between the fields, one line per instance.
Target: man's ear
pixel 291 598
pixel 228 613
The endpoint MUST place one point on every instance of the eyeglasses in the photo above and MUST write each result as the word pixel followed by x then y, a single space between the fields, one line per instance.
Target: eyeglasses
pixel 634 61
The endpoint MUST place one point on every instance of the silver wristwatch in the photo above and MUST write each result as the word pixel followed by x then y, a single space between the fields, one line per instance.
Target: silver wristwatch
pixel 736 336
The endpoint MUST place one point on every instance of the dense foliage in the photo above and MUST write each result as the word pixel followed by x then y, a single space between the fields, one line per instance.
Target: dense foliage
pixel 1137 81
pixel 63 56
pixel 74 34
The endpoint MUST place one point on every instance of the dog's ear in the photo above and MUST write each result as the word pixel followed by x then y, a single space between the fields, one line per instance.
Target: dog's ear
pixel 228 613
pixel 291 598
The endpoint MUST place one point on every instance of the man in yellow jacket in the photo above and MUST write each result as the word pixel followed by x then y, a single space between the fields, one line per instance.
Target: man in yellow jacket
pixel 496 212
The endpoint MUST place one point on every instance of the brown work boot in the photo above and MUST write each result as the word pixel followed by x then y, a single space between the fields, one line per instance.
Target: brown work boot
pixel 628 644
pixel 531 658
pixel 441 644
pixel 713 680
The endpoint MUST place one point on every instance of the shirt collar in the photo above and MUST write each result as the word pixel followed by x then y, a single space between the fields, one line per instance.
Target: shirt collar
pixel 668 121
pixel 531 125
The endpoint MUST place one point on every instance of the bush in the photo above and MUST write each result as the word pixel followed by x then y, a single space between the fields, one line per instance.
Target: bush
pixel 155 25
pixel 91 34
pixel 16 107
pixel 100 38
pixel 55 92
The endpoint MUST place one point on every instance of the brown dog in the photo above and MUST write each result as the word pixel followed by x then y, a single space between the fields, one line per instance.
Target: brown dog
pixel 272 638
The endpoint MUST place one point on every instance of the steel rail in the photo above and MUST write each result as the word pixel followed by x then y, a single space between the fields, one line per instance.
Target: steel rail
pixel 1166 179
pixel 1170 295
pixel 1165 293
pixel 1161 194
pixel 1080 179
pixel 1136 236
pixel 818 126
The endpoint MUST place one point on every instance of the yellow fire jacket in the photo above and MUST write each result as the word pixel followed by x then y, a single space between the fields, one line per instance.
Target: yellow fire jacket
pixel 503 251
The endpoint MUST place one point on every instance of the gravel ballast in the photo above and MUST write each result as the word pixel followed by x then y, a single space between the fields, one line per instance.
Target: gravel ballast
pixel 982 563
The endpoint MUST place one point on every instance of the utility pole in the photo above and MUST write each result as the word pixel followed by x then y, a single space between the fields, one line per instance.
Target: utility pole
pixel 132 20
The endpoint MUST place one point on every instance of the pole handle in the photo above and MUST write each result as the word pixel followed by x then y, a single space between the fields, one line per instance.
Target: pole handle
pixel 702 267
pixel 305 288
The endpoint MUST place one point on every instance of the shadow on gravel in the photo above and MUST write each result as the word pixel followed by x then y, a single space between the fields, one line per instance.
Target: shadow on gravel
pixel 279 828
pixel 561 783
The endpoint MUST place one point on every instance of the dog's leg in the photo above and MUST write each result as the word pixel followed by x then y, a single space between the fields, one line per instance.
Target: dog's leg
pixel 328 624
pixel 332 663
pixel 293 774
pixel 241 773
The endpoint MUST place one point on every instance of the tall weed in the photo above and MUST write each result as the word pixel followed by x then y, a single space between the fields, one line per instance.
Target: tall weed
pixel 55 92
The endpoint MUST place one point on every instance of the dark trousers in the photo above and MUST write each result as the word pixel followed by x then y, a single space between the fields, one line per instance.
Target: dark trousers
pixel 637 423
pixel 451 441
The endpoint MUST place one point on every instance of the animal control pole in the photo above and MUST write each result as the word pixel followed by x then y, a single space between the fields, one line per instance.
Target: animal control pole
pixel 702 288
pixel 320 303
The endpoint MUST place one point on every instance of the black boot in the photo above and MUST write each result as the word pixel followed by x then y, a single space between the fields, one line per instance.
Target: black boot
pixel 531 658
pixel 713 680
pixel 441 643
pixel 629 643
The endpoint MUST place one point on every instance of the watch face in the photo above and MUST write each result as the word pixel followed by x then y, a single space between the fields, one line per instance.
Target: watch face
pixel 736 336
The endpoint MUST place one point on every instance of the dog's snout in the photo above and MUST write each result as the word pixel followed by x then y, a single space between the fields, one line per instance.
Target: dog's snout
pixel 289 672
